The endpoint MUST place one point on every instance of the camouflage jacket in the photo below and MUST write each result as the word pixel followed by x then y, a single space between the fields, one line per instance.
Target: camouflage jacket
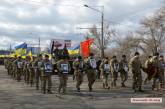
pixel 114 65
pixel 135 65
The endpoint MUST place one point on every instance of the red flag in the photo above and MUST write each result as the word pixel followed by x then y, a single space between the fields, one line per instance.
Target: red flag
pixel 85 47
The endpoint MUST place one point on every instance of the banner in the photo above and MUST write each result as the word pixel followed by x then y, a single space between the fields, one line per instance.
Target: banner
pixel 60 43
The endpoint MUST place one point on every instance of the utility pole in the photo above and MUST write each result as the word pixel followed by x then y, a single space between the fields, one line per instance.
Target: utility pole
pixel 102 34
pixel 102 28
pixel 39 48
pixel 10 48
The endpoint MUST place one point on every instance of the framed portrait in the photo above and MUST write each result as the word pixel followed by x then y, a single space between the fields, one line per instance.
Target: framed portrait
pixel 48 67
pixel 19 64
pixel 93 63
pixel 106 67
pixel 65 68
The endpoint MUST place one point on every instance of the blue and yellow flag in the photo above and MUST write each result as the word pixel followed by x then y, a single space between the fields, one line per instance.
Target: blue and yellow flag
pixel 74 50
pixel 31 55
pixel 21 49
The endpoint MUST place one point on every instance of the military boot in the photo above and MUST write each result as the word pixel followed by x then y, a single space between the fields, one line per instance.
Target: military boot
pixel 140 89
pixel 123 85
pixel 49 92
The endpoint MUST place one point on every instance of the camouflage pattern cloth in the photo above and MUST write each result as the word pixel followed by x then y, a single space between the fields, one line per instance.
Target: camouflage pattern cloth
pixel 162 69
pixel 123 71
pixel 46 75
pixel 105 72
pixel 19 68
pixel 64 69
pixel 135 68
pixel 156 73
pixel 114 66
pixel 78 66
pixel 38 64
pixel 90 66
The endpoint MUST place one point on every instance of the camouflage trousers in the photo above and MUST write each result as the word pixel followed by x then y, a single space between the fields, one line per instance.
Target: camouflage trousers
pixel 105 78
pixel 162 81
pixel 37 78
pixel 91 75
pixel 9 71
pixel 32 77
pixel 137 80
pixel 18 74
pixel 124 76
pixel 27 76
pixel 79 78
pixel 14 73
pixel 158 80
pixel 63 82
pixel 114 78
pixel 46 82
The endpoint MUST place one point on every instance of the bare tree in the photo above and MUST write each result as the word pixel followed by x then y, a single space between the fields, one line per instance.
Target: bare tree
pixel 129 44
pixel 94 33
pixel 152 31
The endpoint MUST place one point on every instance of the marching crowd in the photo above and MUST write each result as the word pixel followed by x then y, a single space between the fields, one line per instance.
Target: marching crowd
pixel 38 72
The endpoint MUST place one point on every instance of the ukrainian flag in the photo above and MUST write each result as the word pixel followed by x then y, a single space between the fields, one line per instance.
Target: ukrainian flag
pixel 21 49
pixel 74 50
pixel 12 55
pixel 31 55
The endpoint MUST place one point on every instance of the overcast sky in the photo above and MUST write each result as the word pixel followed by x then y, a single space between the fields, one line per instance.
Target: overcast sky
pixel 27 20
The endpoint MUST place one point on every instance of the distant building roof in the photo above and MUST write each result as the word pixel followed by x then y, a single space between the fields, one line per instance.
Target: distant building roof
pixel 4 52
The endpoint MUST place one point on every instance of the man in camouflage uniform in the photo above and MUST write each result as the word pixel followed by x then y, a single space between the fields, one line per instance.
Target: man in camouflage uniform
pixel 162 67
pixel 91 71
pixel 33 70
pixel 78 66
pixel 14 68
pixel 7 62
pixel 146 66
pixel 114 66
pixel 135 69
pixel 123 70
pixel 147 63
pixel 156 76
pixel 38 64
pixel 105 72
pixel 19 68
pixel 10 66
pixel 47 69
pixel 64 69
pixel 27 68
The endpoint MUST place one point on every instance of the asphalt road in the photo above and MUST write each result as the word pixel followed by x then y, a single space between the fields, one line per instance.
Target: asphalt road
pixel 17 95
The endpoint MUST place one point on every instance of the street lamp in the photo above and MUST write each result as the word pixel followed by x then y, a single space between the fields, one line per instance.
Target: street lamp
pixel 102 27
